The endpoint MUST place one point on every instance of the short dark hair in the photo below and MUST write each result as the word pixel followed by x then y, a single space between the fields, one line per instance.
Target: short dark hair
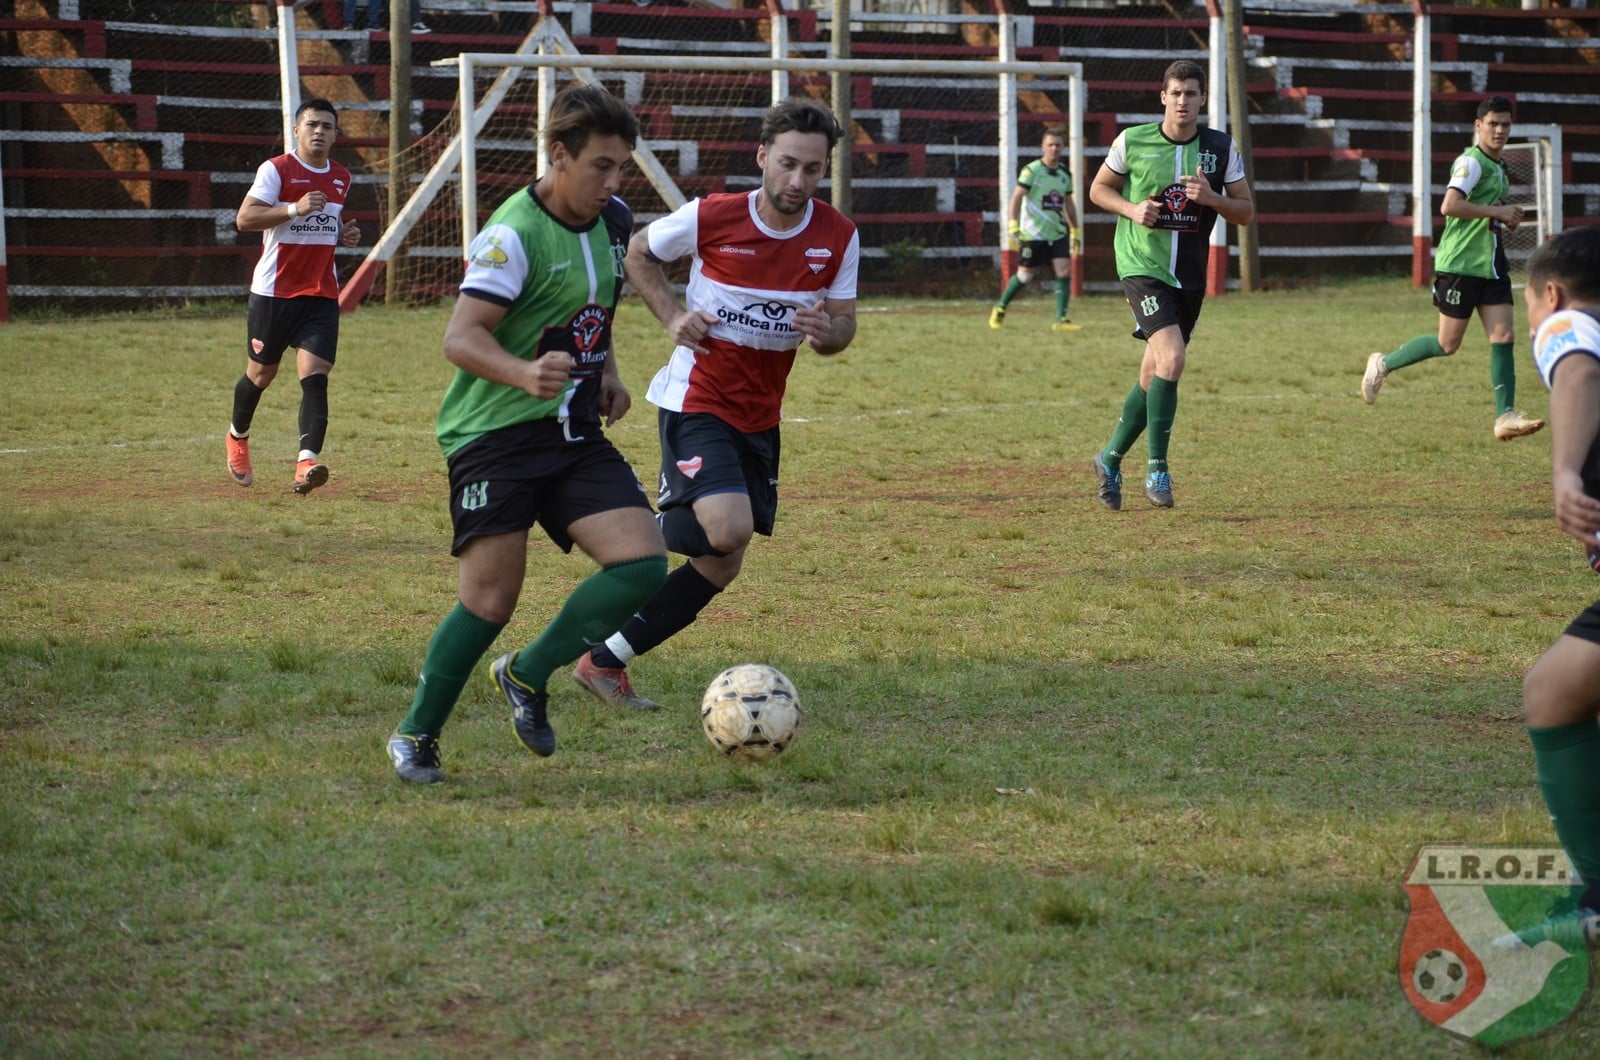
pixel 1572 259
pixel 581 111
pixel 799 114
pixel 1184 70
pixel 315 104
pixel 1494 105
pixel 1053 130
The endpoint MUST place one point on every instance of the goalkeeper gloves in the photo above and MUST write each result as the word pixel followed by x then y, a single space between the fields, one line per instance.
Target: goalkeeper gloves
pixel 1077 243
pixel 1013 233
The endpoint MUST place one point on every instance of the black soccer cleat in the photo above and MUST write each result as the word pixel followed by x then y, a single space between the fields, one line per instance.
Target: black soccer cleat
pixel 416 758
pixel 528 708
pixel 1109 484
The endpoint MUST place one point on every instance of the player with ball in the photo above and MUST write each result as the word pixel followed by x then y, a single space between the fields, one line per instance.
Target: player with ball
pixel 771 269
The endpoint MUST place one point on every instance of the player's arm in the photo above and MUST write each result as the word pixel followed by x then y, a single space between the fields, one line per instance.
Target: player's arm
pixel 1238 205
pixel 470 345
pixel 257 216
pixel 1106 192
pixel 828 325
pixel 1456 204
pixel 1014 214
pixel 649 277
pixel 1574 426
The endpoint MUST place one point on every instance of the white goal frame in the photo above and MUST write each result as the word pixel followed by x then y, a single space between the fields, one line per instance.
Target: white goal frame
pixel 1543 142
pixel 584 66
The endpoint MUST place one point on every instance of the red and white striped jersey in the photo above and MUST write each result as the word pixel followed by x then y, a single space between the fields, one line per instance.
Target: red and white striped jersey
pixel 297 256
pixel 752 278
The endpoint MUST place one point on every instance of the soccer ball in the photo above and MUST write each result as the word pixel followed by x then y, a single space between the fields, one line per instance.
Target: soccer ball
pixel 1439 976
pixel 750 711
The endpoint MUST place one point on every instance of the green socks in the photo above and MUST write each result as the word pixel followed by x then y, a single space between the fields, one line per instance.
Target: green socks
pixel 1010 292
pixel 1161 406
pixel 1567 758
pixel 1129 427
pixel 455 649
pixel 596 609
pixel 1503 375
pixel 1063 293
pixel 1421 348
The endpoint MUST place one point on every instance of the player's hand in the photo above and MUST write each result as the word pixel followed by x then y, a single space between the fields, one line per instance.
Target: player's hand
pixel 691 328
pixel 550 373
pixel 1014 234
pixel 814 323
pixel 1197 187
pixel 1077 242
pixel 311 202
pixel 1146 213
pixel 615 401
pixel 1510 217
pixel 1577 513
pixel 349 234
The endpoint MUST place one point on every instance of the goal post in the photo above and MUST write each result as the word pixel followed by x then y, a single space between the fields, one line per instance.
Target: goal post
pixel 1532 164
pixel 928 147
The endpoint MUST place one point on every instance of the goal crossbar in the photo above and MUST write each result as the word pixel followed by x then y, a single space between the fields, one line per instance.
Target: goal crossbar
pixel 469 62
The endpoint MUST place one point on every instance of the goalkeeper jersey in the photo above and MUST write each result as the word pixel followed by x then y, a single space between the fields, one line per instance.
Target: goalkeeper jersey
pixel 1175 251
pixel 559 285
pixel 1471 246
pixel 1044 208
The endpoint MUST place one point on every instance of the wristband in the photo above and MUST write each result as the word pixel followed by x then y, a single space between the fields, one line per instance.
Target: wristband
pixel 294 209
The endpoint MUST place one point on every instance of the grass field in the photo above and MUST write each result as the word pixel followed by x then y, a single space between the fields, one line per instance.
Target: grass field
pixel 1069 783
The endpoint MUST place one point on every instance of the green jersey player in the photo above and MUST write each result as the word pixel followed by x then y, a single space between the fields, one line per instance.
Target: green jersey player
pixel 1471 272
pixel 1167 182
pixel 1043 222
pixel 521 430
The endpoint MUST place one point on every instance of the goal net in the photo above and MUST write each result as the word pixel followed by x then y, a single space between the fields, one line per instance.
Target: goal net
pixel 1535 186
pixel 935 147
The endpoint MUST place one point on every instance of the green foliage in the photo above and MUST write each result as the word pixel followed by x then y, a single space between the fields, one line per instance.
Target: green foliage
pixel 1069 782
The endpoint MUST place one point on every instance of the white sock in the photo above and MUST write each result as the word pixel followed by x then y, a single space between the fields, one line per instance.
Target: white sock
pixel 619 647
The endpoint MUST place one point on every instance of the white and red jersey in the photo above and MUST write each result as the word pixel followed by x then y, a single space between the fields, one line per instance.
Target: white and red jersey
pixel 297 256
pixel 752 278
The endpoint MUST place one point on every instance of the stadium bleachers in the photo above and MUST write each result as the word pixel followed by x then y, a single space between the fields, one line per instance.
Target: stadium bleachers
pixel 130 120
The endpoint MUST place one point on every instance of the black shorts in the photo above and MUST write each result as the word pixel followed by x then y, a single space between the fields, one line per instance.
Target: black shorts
pixel 1587 625
pixel 1457 296
pixel 276 324
pixel 702 455
pixel 1157 305
pixel 1038 254
pixel 510 479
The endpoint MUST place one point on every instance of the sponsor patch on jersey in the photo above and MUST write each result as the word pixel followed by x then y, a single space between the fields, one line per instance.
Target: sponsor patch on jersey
pixel 1178 212
pixel 587 327
pixel 691 467
pixel 728 249
pixel 486 252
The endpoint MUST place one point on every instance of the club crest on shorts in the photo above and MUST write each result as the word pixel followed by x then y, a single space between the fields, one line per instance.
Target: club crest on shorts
pixel 1461 964
pixel 691 467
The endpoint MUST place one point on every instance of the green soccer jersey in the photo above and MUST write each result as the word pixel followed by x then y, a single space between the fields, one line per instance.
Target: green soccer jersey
pixel 559 285
pixel 1470 246
pixel 1153 167
pixel 1044 207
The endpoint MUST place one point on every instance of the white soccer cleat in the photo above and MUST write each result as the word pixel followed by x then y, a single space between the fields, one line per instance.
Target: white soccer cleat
pixel 1372 380
pixel 1513 424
